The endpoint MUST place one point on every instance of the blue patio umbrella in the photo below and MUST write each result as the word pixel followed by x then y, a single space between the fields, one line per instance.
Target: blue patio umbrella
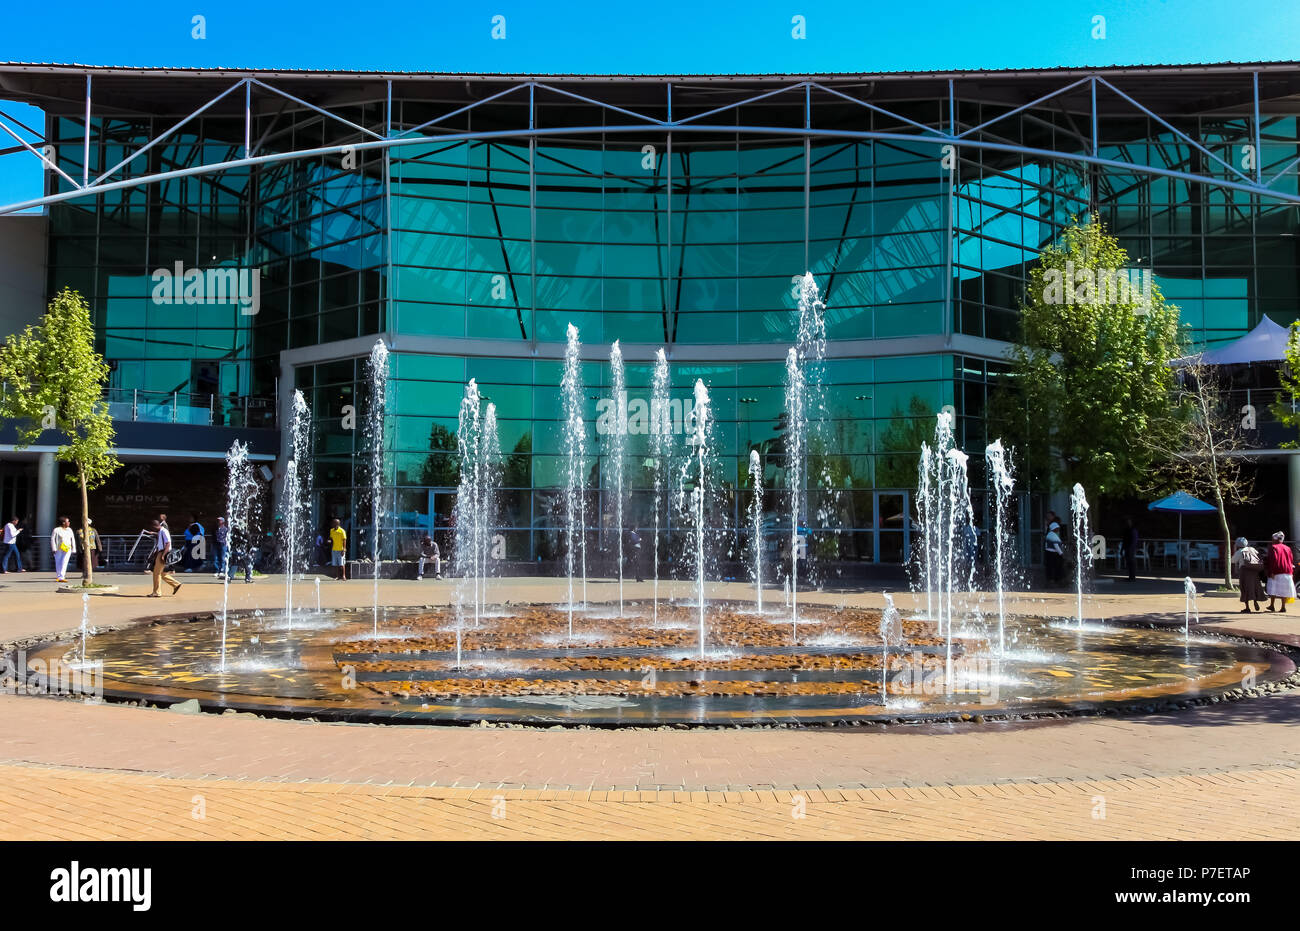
pixel 1180 503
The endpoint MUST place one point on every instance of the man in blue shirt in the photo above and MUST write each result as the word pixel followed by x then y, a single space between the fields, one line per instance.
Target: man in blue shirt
pixel 195 552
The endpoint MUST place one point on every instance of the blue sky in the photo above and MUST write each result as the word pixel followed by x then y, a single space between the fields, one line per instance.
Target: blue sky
pixel 628 36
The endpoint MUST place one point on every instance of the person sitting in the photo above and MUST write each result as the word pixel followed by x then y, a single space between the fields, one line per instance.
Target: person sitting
pixel 429 552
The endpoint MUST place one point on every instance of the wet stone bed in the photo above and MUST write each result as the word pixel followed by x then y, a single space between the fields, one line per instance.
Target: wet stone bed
pixel 520 665
pixel 530 652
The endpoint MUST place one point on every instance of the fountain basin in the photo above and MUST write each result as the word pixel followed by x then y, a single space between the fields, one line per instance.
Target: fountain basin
pixel 513 669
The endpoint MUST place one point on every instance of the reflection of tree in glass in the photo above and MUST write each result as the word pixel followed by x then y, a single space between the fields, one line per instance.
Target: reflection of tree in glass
pixel 442 468
pixel 901 444
pixel 517 472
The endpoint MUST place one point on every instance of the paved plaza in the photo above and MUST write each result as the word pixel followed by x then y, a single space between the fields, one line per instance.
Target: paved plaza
pixel 73 770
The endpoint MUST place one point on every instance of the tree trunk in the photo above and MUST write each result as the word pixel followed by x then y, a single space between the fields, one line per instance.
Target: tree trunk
pixel 87 554
pixel 1227 540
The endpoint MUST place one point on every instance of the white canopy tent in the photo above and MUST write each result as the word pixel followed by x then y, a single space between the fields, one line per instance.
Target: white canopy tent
pixel 1265 343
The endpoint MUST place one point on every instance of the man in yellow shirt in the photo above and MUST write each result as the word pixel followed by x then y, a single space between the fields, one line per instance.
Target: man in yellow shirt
pixel 339 549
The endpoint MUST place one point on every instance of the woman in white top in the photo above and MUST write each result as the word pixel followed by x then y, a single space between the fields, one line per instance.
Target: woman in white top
pixel 63 543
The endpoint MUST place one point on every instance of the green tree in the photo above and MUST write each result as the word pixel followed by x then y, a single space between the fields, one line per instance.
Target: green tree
pixel 1284 406
pixel 54 380
pixel 1091 372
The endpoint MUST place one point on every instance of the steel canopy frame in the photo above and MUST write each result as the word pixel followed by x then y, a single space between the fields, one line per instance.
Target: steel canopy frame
pixel 389 139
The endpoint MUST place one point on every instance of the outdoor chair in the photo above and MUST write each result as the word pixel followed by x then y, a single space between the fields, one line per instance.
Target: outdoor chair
pixel 1143 557
pixel 1211 551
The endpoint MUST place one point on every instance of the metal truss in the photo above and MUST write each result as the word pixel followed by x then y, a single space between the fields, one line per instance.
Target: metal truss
pixel 387 138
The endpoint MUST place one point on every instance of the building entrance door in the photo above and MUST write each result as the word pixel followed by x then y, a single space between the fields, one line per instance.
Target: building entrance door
pixel 893 533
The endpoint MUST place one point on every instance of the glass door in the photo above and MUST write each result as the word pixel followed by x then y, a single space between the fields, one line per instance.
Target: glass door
pixel 893 527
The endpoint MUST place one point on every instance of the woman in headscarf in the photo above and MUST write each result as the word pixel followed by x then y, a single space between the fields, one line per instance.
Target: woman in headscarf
pixel 1280 565
pixel 1249 568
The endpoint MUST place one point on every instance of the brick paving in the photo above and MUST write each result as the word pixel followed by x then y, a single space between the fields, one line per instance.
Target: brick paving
pixel 40 803
pixel 89 770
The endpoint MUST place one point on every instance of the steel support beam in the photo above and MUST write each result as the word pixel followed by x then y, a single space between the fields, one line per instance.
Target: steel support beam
pixel 937 138
pixel 85 160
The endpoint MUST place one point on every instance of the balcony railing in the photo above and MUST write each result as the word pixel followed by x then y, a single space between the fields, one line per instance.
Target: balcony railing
pixel 208 410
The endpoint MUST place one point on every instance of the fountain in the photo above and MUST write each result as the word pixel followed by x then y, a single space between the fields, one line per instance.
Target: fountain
pixel 1082 549
pixel 796 434
pixel 85 622
pixel 378 403
pixel 1189 606
pixel 810 351
pixel 999 465
pixel 241 489
pixel 489 487
pixel 933 507
pixel 694 514
pixel 531 665
pixel 469 444
pixel 296 497
pixel 961 519
pixel 575 447
pixel 617 451
pixel 947 526
pixel 756 525
pixel 661 444
pixel 926 502
pixel 476 438
pixel 891 631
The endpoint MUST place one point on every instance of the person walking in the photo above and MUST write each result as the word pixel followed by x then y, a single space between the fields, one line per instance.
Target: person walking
pixel 12 532
pixel 429 552
pixel 1249 568
pixel 339 549
pixel 221 550
pixel 158 560
pixel 1280 564
pixel 1131 541
pixel 1054 551
pixel 89 550
pixel 63 543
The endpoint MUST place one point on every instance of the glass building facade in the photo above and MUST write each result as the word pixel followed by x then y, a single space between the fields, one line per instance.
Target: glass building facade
pixel 658 212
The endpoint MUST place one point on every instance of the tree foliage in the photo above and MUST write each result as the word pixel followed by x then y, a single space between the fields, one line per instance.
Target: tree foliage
pixel 55 380
pixel 1284 406
pixel 1091 372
